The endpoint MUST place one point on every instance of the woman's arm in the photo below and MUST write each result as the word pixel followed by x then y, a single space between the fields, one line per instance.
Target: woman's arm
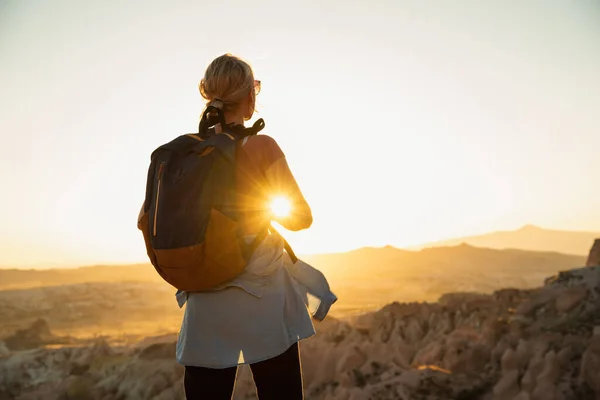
pixel 281 182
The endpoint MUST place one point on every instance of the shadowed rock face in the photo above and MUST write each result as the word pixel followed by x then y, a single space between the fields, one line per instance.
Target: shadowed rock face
pixel 594 257
pixel 32 337
pixel 533 344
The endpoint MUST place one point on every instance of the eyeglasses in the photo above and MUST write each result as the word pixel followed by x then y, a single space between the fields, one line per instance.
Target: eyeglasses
pixel 257 87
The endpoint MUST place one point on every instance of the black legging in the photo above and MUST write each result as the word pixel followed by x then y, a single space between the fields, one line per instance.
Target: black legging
pixel 276 378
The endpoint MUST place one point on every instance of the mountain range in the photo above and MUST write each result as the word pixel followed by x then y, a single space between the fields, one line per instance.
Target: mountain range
pixel 528 237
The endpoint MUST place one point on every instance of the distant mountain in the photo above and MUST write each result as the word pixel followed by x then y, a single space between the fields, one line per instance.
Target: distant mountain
pixel 392 263
pixel 529 237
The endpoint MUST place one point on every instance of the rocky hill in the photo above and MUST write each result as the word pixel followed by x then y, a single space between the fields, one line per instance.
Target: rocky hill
pixel 541 343
pixel 425 275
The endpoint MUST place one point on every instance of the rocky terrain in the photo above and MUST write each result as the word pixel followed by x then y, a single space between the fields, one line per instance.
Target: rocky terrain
pixel 541 343
pixel 93 309
pixel 124 303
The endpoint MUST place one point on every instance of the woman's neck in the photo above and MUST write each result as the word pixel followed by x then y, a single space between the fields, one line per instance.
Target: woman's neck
pixel 235 119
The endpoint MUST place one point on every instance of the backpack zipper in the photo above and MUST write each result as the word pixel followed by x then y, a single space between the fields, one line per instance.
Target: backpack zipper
pixel 160 171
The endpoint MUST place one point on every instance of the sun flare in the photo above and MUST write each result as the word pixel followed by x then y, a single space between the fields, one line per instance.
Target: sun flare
pixel 280 206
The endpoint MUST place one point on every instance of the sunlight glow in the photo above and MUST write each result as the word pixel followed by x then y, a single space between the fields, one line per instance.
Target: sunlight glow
pixel 280 206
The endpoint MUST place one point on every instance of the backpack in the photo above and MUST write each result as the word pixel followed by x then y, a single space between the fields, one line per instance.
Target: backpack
pixel 189 216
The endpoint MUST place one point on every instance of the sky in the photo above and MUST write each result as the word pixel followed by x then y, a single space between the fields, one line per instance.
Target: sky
pixel 404 122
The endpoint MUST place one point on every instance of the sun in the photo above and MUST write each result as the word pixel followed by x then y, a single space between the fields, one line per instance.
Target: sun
pixel 280 206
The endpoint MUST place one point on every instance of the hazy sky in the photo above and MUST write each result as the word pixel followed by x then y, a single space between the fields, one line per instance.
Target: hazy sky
pixel 403 121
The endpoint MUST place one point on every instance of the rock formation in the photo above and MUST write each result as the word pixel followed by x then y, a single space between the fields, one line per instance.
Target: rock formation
pixel 32 337
pixel 594 257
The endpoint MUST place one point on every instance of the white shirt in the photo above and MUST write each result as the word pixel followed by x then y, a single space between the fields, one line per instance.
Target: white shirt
pixel 256 316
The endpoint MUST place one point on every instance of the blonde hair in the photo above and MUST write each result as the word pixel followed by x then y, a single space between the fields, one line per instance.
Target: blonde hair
pixel 227 82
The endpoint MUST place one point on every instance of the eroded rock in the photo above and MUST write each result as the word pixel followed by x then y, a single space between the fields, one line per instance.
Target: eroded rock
pixel 594 256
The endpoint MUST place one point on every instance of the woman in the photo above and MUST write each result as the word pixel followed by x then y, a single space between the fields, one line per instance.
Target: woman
pixel 259 317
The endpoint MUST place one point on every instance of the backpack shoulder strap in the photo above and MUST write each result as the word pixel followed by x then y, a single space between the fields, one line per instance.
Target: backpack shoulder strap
pixel 258 239
pixel 286 245
pixel 195 136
